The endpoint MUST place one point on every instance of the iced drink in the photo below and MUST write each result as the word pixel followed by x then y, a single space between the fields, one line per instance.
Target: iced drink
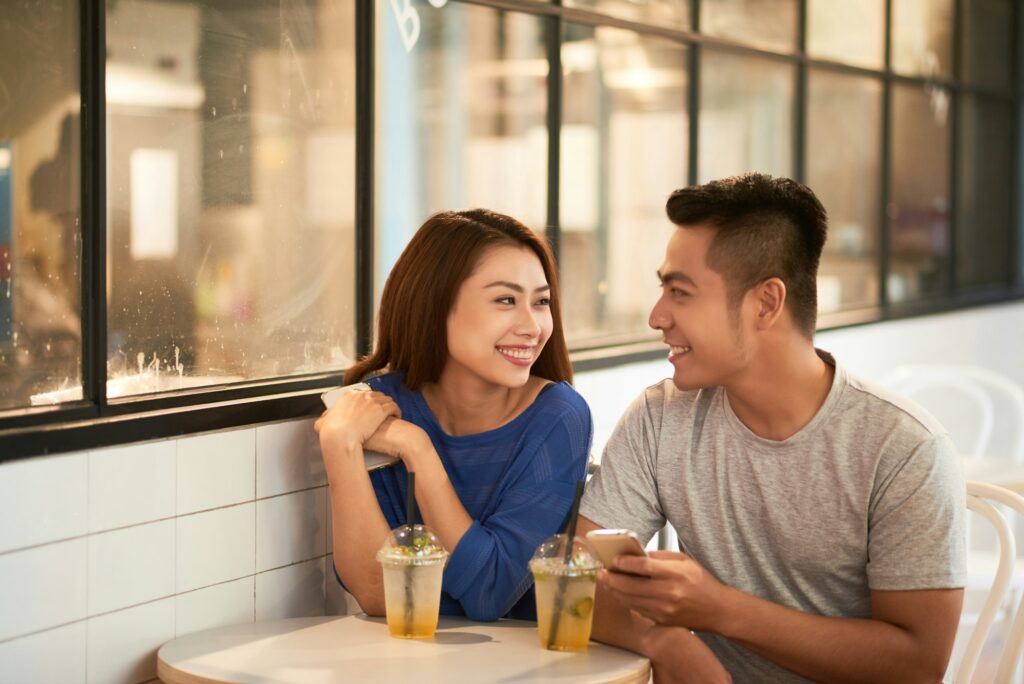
pixel 413 561
pixel 565 593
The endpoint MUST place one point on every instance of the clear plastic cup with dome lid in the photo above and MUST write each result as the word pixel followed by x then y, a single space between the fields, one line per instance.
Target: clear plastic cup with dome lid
pixel 413 560
pixel 564 586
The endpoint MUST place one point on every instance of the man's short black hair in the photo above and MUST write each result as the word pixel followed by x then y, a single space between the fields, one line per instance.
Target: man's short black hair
pixel 765 227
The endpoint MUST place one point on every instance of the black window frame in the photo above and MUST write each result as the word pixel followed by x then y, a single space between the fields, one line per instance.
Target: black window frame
pixel 97 421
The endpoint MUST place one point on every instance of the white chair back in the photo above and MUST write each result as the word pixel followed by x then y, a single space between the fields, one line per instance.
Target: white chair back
pixel 989 393
pixel 980 498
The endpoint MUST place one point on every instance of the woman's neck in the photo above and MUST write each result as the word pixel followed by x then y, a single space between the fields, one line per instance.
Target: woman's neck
pixel 467 405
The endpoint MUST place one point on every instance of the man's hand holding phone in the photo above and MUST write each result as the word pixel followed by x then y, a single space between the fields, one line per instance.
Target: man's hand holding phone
pixel 671 589
pixel 611 544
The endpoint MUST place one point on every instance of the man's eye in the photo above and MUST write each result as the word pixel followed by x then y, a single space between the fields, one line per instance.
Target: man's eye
pixel 676 292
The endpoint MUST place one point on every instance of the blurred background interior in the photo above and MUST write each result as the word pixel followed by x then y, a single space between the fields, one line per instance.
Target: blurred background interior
pixel 230 162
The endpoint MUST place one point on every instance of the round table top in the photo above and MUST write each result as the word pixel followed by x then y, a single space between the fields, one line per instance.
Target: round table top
pixel 357 648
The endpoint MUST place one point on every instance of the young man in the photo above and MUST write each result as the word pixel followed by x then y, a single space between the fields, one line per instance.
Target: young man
pixel 821 519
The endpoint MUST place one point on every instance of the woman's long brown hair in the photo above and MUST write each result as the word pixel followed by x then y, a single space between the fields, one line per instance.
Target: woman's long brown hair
pixel 412 324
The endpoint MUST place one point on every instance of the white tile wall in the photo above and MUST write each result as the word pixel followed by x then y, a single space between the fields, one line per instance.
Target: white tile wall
pixel 57 655
pixel 287 458
pixel 217 469
pixel 42 500
pixel 131 485
pixel 42 587
pixel 229 603
pixel 123 645
pixel 216 546
pixel 291 528
pixel 293 591
pixel 130 566
pixel 104 556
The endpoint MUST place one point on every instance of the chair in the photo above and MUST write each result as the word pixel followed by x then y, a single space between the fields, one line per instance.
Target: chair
pixel 946 389
pixel 981 497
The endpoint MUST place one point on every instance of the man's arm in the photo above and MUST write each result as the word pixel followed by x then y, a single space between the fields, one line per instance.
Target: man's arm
pixel 675 653
pixel 908 638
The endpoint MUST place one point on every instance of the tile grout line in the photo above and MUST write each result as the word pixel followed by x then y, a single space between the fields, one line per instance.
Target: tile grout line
pixel 156 520
pixel 88 526
pixel 177 485
pixel 159 598
pixel 255 518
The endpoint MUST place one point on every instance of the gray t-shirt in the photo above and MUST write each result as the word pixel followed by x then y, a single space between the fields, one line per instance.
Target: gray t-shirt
pixel 869 495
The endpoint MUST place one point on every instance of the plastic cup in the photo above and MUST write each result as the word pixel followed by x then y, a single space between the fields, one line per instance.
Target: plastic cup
pixel 565 593
pixel 413 560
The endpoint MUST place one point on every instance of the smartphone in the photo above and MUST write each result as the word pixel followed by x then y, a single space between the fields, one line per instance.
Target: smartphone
pixel 608 544
pixel 331 396
pixel 372 459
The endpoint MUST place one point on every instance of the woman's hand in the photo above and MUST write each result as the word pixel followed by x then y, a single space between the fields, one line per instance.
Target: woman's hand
pixel 353 420
pixel 401 438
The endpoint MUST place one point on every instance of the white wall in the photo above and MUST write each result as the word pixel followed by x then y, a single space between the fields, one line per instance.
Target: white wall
pixel 105 555
pixel 992 337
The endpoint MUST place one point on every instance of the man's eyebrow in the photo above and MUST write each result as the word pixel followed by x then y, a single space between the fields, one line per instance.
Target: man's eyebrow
pixel 676 276
pixel 515 287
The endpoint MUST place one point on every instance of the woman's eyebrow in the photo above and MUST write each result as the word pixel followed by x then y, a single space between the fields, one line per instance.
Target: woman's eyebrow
pixel 515 287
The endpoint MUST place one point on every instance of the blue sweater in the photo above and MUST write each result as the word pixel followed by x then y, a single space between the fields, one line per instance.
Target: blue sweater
pixel 516 483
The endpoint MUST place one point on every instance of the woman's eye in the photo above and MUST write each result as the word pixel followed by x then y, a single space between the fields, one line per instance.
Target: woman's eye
pixel 506 300
pixel 544 301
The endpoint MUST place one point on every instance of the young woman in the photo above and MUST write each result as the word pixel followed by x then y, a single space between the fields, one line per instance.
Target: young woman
pixel 470 388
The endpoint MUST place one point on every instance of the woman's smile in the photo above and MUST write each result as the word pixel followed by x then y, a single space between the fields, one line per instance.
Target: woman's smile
pixel 519 355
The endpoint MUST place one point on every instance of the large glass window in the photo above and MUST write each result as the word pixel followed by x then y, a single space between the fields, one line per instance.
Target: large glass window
pixel 746 116
pixel 765 23
pixel 849 32
pixel 922 37
pixel 844 150
pixel 623 150
pixel 40 215
pixel 230 191
pixel 919 207
pixel 984 167
pixel 986 38
pixel 230 152
pixel 670 13
pixel 461 118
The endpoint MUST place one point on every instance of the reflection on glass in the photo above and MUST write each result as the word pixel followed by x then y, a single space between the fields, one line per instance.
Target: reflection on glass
pixel 766 23
pixel 984 168
pixel 40 215
pixel 230 191
pixel 623 150
pixel 668 13
pixel 746 109
pixel 844 128
pixel 849 32
pixel 922 37
pixel 460 119
pixel 919 208
pixel 986 42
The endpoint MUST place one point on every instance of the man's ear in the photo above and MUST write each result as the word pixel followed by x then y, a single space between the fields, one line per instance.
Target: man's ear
pixel 771 302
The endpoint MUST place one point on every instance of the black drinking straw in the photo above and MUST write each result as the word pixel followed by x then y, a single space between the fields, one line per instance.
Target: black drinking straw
pixel 410 520
pixel 563 579
pixel 410 501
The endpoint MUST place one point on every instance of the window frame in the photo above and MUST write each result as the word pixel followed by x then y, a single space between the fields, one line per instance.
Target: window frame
pixel 97 421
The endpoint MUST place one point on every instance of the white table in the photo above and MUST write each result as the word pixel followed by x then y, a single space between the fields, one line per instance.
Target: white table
pixel 358 649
